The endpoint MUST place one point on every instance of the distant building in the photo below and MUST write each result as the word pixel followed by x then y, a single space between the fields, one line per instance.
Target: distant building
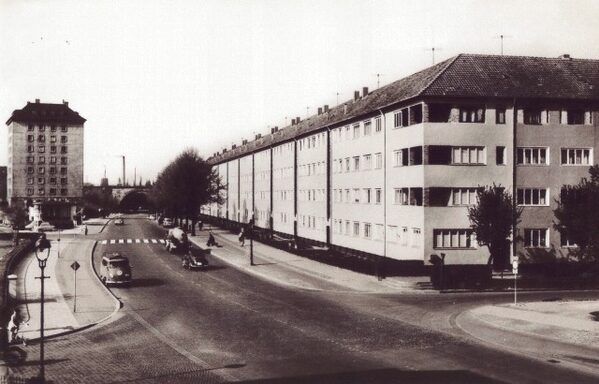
pixel 2 185
pixel 45 160
pixel 393 172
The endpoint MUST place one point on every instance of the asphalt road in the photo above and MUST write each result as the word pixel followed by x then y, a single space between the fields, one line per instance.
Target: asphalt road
pixel 222 325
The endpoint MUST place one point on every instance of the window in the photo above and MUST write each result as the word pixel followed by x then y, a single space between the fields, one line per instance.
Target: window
pixel 401 196
pixel 41 170
pixel 53 191
pixel 356 228
pixel 41 138
pixel 347 227
pixel 52 139
pixel 392 233
pixel 356 163
pixel 63 149
pixel 41 191
pixel 472 114
pixel 63 139
pixel 30 159
pixel 52 159
pixel 347 164
pixel 452 238
pixel 377 196
pixel 378 158
pixel 53 180
pixel 416 196
pixel 535 237
pixel 532 116
pixel 367 195
pixel 500 115
pixel 356 195
pixel 41 160
pixel 367 162
pixel 52 170
pixel 347 132
pixel 468 155
pixel 566 242
pixel 463 196
pixel 405 121
pixel 415 156
pixel 63 160
pixel 416 237
pixel 30 180
pixel 30 128
pixel 397 158
pixel 532 197
pixel 576 156
pixel 30 138
pixel 356 131
pixel 532 156
pixel 63 191
pixel 397 119
pixel 29 170
pixel 500 155
pixel 377 125
pixel 41 149
pixel 575 116
pixel 367 128
pixel 367 230
pixel 63 170
pixel 41 128
pixel 53 149
pixel 53 128
pixel 439 113
pixel 30 148
pixel 63 180
pixel 41 180
pixel 29 191
pixel 347 196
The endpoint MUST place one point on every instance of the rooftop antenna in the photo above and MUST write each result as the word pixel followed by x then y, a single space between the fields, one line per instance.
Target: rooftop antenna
pixel 433 49
pixel 307 112
pixel 378 80
pixel 338 98
pixel 501 37
pixel 286 120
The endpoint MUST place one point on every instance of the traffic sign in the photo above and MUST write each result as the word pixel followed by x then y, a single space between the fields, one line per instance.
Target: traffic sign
pixel 515 267
pixel 75 266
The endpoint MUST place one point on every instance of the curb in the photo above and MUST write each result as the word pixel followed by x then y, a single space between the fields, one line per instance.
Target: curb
pixel 118 305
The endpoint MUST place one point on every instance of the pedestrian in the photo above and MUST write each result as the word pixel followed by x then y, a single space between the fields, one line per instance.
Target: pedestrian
pixel 241 238
pixel 211 242
pixel 200 225
pixel 85 229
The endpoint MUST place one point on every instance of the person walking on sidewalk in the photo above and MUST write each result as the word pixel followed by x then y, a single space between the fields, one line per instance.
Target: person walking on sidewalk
pixel 211 241
pixel 85 229
pixel 241 238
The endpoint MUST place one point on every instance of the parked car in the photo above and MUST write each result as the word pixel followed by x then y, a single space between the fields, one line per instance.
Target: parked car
pixel 191 261
pixel 115 269
pixel 151 217
pixel 167 222
pixel 44 226
pixel 119 221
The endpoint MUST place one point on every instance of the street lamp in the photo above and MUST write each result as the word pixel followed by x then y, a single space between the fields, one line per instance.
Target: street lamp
pixel 42 252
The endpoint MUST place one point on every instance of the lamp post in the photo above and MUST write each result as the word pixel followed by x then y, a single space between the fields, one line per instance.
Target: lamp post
pixel 42 252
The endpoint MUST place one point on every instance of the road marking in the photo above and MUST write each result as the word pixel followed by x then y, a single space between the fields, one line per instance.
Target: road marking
pixel 129 241
pixel 161 241
pixel 112 241
pixel 121 241
pixel 137 241
pixel 103 242
pixel 146 241
pixel 154 241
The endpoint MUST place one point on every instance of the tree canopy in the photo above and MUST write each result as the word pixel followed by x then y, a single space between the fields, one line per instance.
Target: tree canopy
pixel 492 219
pixel 99 202
pixel 577 216
pixel 185 185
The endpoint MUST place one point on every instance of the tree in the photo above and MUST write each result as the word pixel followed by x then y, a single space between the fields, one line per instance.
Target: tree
pixel 577 216
pixel 99 201
pixel 17 215
pixel 185 185
pixel 492 219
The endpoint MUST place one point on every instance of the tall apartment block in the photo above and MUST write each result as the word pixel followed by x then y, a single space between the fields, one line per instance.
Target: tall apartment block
pixel 45 160
pixel 392 173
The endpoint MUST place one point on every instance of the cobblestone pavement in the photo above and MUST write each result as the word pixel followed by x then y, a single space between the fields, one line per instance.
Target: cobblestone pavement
pixel 120 351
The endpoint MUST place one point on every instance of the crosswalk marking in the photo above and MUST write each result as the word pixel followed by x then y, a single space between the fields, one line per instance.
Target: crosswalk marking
pixel 161 241
pixel 112 241
pixel 137 241
pixel 132 241
pixel 129 241
pixel 154 241
pixel 121 241
pixel 104 242
pixel 146 241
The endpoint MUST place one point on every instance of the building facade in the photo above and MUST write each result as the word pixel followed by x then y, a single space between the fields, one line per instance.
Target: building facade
pixel 45 160
pixel 393 172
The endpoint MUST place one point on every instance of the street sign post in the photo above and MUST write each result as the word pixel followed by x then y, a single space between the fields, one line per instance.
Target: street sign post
pixel 515 272
pixel 75 266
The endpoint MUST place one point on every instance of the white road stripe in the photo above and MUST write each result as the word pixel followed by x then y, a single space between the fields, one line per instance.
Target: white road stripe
pixel 121 241
pixel 154 241
pixel 112 241
pixel 103 242
pixel 129 241
pixel 146 241
pixel 161 241
pixel 137 241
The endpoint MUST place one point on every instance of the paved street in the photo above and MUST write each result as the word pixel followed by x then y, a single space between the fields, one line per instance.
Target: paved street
pixel 223 324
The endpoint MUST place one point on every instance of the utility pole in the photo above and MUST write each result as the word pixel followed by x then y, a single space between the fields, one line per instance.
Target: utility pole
pixel 378 80
pixel 501 38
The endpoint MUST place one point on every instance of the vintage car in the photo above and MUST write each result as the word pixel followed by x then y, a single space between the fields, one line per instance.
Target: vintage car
pixel 194 261
pixel 119 221
pixel 115 269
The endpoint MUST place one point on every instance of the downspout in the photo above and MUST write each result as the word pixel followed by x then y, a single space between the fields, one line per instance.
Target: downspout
pixel 271 207
pixel 328 190
pixel 295 191
pixel 253 217
pixel 379 265
pixel 514 180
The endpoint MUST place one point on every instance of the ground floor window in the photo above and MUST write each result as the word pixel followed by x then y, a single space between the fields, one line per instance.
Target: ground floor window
pixel 453 238
pixel 536 237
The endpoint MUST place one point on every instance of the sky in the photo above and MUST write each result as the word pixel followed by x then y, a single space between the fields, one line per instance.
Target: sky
pixel 153 78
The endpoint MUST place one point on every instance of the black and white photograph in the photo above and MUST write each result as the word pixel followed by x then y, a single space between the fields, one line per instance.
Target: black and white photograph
pixel 299 191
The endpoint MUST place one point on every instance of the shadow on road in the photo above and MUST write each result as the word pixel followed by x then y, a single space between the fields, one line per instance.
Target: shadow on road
pixel 147 282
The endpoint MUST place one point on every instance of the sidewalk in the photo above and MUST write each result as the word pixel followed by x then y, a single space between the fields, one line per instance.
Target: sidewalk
pixel 285 268
pixel 93 302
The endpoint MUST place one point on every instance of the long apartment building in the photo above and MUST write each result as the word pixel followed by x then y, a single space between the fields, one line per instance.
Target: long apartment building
pixel 393 172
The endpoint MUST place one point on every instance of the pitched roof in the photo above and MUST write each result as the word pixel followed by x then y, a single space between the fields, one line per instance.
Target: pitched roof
pixel 465 75
pixel 46 113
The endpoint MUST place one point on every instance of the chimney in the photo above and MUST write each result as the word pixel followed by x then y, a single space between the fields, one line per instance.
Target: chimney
pixel 244 142
pixel 297 120
pixel 224 150
pixel 233 146
pixel 37 101
pixel 565 56
pixel 364 91
pixel 272 130
pixel 292 121
pixel 326 108
pixel 259 135
pixel 344 108
pixel 65 102
pixel 276 128
pixel 356 95
pixel 320 110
